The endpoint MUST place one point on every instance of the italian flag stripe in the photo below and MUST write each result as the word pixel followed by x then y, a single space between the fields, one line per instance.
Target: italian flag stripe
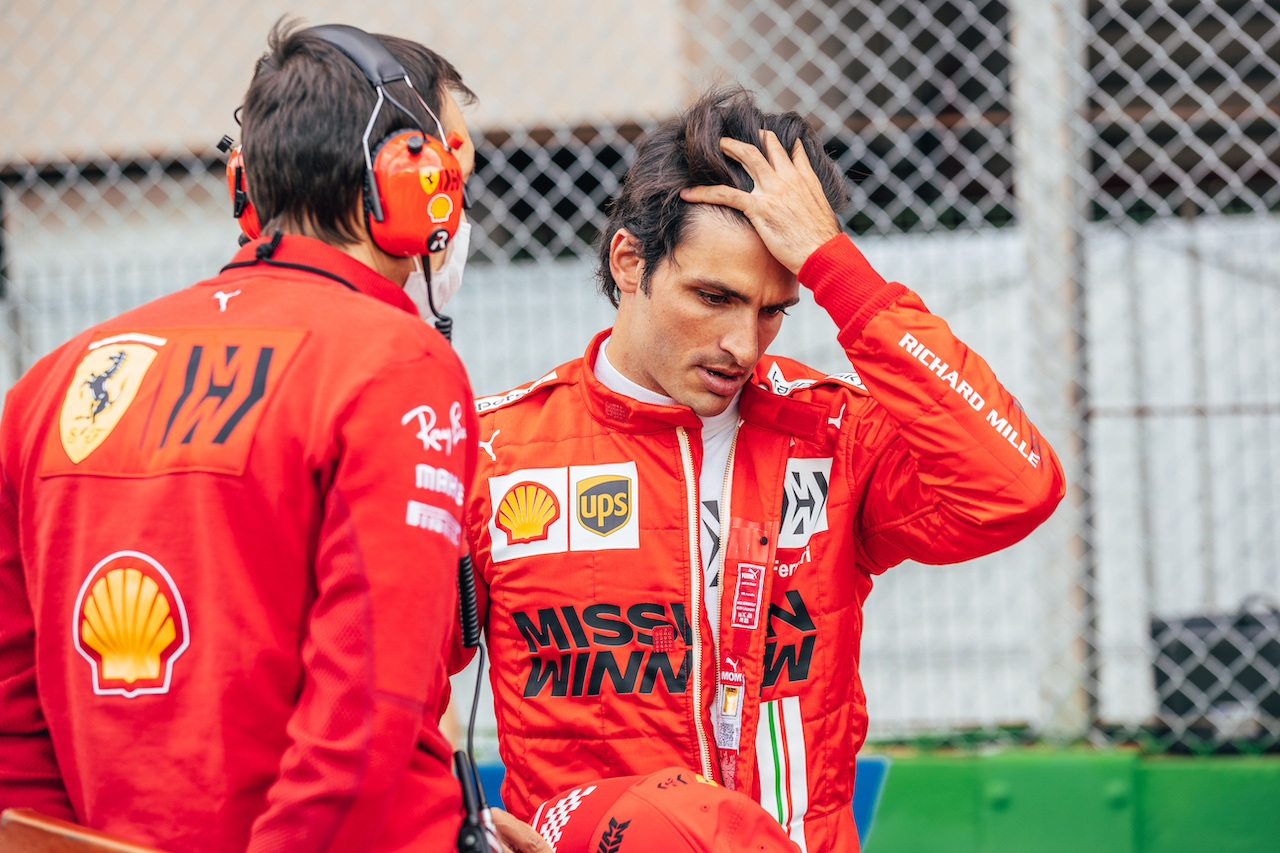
pixel 781 765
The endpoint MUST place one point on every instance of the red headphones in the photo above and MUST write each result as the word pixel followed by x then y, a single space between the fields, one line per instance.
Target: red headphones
pixel 413 194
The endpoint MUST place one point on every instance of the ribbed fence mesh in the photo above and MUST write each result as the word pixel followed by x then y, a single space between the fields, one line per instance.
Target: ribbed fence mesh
pixel 1086 189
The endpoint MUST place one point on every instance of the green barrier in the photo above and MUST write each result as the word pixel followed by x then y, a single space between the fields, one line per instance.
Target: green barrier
pixel 1110 802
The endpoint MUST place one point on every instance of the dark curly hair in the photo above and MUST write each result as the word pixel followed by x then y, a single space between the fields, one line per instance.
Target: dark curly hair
pixel 685 152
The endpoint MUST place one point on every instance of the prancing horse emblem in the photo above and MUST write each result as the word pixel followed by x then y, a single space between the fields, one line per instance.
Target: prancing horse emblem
pixel 97 383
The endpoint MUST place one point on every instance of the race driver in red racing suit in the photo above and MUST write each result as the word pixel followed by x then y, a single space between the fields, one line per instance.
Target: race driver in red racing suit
pixel 675 535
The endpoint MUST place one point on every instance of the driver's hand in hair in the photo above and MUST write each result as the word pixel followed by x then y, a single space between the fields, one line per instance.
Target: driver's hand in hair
pixel 787 207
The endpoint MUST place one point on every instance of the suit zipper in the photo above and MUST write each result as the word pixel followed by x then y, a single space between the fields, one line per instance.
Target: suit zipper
pixel 724 526
pixel 695 618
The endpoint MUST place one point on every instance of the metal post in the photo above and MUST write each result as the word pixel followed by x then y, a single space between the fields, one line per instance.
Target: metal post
pixel 1048 66
pixel 1200 402
pixel 10 342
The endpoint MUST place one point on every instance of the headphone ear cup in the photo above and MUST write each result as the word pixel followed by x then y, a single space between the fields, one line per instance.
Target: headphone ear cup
pixel 420 188
pixel 242 208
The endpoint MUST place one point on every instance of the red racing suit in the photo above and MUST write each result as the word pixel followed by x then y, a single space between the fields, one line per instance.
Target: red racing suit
pixel 585 528
pixel 230 523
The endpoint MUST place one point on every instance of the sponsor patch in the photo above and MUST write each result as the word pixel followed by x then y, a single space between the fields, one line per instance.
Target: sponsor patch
pixel 130 625
pixel 528 517
pixel 804 501
pixel 782 387
pixel 554 510
pixel 780 384
pixel 487 446
pixel 177 399
pixel 105 382
pixel 605 507
pixel 788 649
pixel 601 646
pixel 484 404
pixel 435 519
pixel 746 598
pixel 850 378
pixel 604 503
pixel 526 512
pixel 439 208
pixel 439 480
pixel 433 434
pixel 429 178
pixel 223 298
pixel 437 240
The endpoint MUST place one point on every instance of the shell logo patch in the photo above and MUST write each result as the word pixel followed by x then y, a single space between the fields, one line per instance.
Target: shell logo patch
pixel 429 177
pixel 604 503
pixel 526 513
pixel 528 517
pixel 104 384
pixel 130 625
pixel 440 208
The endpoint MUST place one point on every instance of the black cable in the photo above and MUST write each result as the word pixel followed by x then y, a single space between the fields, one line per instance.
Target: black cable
pixel 264 251
pixel 469 609
pixel 405 110
pixel 471 726
pixel 469 621
pixel 444 325
pixel 339 279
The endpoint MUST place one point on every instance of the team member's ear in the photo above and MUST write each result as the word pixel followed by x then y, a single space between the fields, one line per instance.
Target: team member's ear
pixel 625 263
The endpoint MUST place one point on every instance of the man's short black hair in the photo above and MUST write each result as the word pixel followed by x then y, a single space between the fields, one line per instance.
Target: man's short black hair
pixel 685 152
pixel 302 121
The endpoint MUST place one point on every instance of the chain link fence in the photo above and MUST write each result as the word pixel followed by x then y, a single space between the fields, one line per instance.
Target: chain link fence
pixel 1086 189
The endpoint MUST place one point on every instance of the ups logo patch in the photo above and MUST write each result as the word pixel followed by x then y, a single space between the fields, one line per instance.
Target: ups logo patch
pixel 604 503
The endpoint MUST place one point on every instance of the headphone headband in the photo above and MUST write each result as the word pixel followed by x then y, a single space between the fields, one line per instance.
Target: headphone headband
pixel 371 56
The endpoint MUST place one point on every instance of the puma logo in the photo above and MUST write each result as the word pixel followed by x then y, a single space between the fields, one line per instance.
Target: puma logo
pixel 487 446
pixel 223 297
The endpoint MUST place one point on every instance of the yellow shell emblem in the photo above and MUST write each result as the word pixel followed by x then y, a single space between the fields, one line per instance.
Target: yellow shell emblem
pixel 526 512
pixel 103 386
pixel 131 625
pixel 429 177
pixel 439 208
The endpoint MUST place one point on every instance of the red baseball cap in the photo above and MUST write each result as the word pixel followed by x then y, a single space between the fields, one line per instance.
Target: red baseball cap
pixel 673 811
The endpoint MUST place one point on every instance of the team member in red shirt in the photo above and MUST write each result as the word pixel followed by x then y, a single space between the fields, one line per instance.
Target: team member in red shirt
pixel 230 520
pixel 674 536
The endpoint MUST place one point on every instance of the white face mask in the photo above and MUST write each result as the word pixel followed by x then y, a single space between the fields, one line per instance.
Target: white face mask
pixel 444 281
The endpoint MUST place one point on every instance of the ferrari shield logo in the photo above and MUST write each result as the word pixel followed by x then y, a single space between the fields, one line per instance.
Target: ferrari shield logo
pixel 604 503
pixel 429 177
pixel 103 386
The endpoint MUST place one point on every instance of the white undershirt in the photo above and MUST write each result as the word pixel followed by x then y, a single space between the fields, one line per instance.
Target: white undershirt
pixel 717 439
